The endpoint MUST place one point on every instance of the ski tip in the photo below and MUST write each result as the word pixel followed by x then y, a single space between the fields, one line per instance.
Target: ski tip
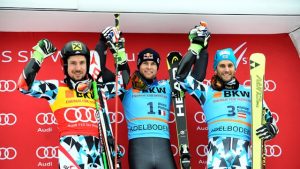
pixel 174 56
pixel 257 60
pixel 172 53
pixel 257 55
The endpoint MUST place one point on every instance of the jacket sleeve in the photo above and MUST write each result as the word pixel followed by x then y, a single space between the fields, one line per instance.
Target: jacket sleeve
pixel 28 74
pixel 36 88
pixel 268 115
pixel 108 77
pixel 198 71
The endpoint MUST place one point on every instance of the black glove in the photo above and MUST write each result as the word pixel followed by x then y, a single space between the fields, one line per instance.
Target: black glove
pixel 267 131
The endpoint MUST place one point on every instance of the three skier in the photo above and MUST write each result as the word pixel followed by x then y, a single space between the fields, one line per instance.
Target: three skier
pixel 146 102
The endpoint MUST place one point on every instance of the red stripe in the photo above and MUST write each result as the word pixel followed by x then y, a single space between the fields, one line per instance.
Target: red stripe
pixel 64 151
pixel 242 115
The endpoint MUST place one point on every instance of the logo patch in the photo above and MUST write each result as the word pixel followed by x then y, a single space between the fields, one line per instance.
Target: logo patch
pixel 148 56
pixel 76 46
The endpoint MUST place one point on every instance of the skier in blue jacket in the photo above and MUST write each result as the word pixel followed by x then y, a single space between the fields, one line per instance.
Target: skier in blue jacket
pixel 225 103
pixel 146 103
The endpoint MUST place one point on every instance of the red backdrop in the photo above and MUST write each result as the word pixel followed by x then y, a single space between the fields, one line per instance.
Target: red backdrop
pixel 28 134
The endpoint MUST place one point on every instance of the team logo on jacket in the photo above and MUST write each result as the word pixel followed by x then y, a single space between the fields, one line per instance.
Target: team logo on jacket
pixel 162 112
pixel 232 93
pixel 217 94
pixel 81 114
pixel 155 90
pixel 236 93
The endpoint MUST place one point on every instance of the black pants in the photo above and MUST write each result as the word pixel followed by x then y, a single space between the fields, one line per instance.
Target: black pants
pixel 150 153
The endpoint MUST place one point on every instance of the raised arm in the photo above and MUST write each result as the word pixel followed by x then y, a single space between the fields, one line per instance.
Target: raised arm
pixel 112 38
pixel 42 50
pixel 197 54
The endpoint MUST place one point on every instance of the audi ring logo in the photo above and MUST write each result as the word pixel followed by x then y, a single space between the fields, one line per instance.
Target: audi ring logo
pixel 199 117
pixel 273 150
pixel 113 117
pixel 174 150
pixel 7 86
pixel 122 149
pixel 7 119
pixel 173 118
pixel 275 116
pixel 45 118
pixel 47 152
pixel 81 114
pixel 7 153
pixel 269 86
pixel 202 150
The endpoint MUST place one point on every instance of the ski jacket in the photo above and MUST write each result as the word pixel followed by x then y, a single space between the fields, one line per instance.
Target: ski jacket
pixel 227 112
pixel 74 112
pixel 147 112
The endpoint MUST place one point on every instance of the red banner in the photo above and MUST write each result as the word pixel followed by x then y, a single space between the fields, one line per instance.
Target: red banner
pixel 29 137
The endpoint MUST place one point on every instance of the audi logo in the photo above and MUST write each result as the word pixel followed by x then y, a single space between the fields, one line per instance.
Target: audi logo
pixel 269 86
pixel 7 86
pixel 7 119
pixel 122 149
pixel 272 150
pixel 202 150
pixel 173 118
pixel 113 117
pixel 174 150
pixel 45 118
pixel 80 114
pixel 275 116
pixel 7 153
pixel 47 152
pixel 199 117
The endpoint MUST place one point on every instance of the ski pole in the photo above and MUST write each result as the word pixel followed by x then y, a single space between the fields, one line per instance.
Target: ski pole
pixel 117 24
pixel 103 121
pixel 96 98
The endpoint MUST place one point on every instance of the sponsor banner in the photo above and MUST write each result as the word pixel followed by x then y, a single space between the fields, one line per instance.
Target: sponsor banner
pixel 28 128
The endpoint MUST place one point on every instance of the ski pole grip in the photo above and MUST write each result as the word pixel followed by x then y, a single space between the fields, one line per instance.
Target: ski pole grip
pixel 95 90
pixel 117 21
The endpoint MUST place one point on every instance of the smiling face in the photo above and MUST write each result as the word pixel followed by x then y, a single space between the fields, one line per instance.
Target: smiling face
pixel 225 70
pixel 77 67
pixel 148 69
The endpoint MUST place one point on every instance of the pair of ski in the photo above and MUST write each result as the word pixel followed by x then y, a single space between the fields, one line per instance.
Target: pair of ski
pixel 257 72
pixel 108 149
pixel 257 75
pixel 178 100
